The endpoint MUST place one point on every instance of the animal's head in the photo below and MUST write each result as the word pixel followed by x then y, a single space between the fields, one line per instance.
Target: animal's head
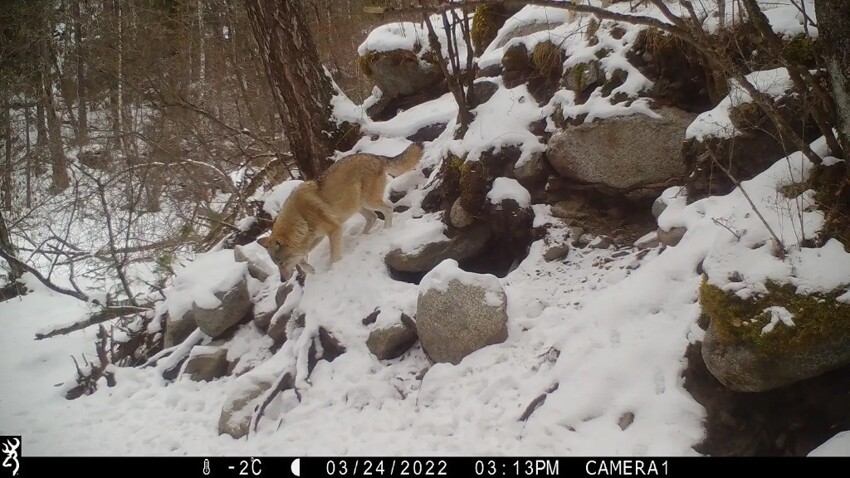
pixel 281 255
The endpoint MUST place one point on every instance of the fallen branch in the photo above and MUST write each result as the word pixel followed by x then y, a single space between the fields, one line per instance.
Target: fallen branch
pixel 108 313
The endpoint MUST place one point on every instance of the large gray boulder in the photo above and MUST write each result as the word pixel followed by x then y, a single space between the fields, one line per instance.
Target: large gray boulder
pixel 622 153
pixel 459 312
pixel 466 243
pixel 235 306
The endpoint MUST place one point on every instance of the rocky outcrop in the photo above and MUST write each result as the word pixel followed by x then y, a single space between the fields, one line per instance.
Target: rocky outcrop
pixel 392 341
pixel 604 153
pixel 459 312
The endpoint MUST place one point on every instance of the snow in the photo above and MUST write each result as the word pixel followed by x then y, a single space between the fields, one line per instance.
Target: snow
pixel 278 195
pixel 508 188
pixel 789 21
pixel 410 36
pixel 198 282
pixel 743 247
pixel 777 314
pixel 839 445
pixel 394 36
pixel 440 277
pixel 716 122
pixel 502 121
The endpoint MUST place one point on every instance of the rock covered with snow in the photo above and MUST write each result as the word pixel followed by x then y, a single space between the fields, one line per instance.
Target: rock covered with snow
pixel 234 305
pixel 622 153
pixel 459 312
pixel 260 265
pixel 211 292
pixel 462 245
pixel 391 341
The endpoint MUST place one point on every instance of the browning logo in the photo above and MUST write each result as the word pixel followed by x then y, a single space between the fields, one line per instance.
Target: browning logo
pixel 11 447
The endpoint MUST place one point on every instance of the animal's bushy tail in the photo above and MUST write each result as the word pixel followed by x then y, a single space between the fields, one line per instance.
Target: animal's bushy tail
pixel 405 161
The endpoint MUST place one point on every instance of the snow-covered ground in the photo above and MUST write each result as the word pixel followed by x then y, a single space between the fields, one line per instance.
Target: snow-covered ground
pixel 604 331
pixel 608 327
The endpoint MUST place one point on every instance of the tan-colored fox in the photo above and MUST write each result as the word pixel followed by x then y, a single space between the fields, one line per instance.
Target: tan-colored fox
pixel 319 208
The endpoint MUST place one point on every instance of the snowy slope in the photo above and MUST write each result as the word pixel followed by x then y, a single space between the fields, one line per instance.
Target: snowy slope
pixel 608 327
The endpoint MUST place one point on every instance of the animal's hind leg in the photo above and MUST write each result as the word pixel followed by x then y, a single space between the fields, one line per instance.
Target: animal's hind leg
pixel 370 216
pixel 335 236
pixel 374 200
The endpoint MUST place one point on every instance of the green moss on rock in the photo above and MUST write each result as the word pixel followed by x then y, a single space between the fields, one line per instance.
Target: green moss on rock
pixel 818 318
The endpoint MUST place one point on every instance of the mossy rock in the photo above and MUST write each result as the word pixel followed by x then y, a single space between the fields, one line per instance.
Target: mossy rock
pixel 743 358
pixel 547 59
pixel 485 25
pixel 583 78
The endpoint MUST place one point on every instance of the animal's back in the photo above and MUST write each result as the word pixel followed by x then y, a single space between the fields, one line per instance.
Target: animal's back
pixel 344 184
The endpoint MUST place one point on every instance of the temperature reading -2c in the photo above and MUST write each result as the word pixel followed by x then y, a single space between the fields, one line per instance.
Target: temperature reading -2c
pixel 250 467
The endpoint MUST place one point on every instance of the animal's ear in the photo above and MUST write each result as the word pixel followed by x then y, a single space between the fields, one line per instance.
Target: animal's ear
pixel 263 241
pixel 277 243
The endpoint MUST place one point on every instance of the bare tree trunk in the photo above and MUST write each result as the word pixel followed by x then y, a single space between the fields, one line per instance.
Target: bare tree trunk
pixel 298 81
pixel 60 180
pixel 15 271
pixel 82 113
pixel 28 156
pixel 5 119
pixel 40 128
pixel 834 27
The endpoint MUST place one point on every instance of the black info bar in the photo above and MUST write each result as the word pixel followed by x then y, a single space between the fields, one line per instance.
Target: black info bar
pixel 454 467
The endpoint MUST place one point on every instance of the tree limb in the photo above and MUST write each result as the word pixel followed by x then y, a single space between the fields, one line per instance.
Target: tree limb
pixel 47 283
pixel 98 317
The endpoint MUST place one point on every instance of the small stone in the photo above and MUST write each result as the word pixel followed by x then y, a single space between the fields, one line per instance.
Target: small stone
pixel 556 252
pixel 672 237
